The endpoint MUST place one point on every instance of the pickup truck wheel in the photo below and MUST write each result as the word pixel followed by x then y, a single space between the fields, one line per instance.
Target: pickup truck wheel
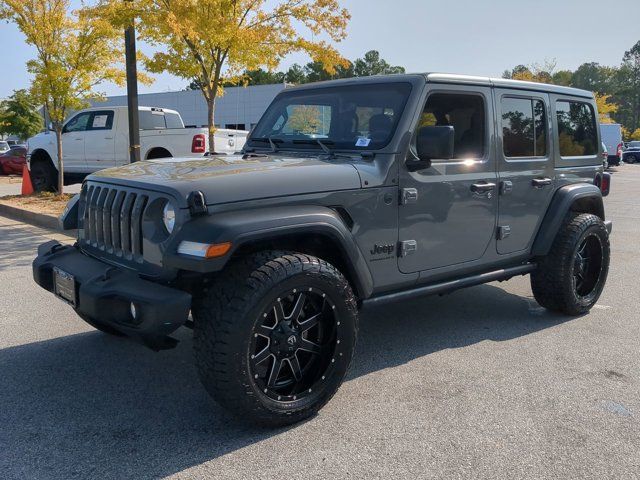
pixel 44 176
pixel 274 336
pixel 100 326
pixel 571 277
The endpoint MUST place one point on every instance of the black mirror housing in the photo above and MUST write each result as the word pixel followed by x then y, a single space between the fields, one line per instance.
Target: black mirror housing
pixel 435 143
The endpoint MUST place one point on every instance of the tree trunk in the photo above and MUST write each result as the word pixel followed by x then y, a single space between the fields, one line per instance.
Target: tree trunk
pixel 211 110
pixel 58 129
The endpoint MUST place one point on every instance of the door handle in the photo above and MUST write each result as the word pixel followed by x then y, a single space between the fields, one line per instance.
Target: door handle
pixel 108 138
pixel 541 182
pixel 482 188
pixel 78 139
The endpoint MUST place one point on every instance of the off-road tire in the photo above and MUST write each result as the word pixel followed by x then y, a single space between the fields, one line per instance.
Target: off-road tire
pixel 226 314
pixel 553 283
pixel 44 176
pixel 100 326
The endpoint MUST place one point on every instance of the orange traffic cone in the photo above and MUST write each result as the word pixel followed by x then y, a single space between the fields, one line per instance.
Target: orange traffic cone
pixel 27 187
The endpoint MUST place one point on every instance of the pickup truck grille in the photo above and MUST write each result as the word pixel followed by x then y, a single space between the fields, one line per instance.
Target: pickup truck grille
pixel 112 220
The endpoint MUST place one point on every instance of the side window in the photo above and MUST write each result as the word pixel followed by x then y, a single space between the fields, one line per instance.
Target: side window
pixel 466 113
pixel 173 120
pixel 78 123
pixel 577 130
pixel 150 120
pixel 101 120
pixel 524 127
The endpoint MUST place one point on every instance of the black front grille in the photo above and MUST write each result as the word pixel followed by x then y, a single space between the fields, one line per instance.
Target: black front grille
pixel 113 220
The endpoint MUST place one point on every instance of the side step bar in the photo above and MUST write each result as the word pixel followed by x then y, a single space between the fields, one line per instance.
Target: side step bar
pixel 450 286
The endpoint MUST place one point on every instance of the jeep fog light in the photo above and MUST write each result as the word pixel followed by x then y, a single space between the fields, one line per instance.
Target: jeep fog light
pixel 204 250
pixel 169 217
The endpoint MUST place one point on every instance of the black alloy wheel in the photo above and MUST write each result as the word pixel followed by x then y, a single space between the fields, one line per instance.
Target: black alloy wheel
pixel 587 265
pixel 294 344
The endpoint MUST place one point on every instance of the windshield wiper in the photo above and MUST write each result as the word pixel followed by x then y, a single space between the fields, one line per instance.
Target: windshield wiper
pixel 272 142
pixel 323 145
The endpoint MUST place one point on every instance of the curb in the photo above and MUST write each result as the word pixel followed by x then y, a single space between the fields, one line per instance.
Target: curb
pixel 32 218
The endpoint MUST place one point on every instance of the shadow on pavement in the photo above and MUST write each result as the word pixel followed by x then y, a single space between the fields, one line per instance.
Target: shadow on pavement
pixel 90 405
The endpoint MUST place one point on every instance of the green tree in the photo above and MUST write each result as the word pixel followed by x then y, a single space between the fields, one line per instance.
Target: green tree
pixel 594 77
pixel 627 89
pixel 20 116
pixel 372 64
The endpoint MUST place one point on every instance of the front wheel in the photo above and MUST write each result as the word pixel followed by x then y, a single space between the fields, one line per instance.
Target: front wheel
pixel 630 159
pixel 274 336
pixel 572 276
pixel 44 176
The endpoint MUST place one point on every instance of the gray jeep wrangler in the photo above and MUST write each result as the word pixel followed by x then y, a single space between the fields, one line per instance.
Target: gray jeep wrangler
pixel 349 194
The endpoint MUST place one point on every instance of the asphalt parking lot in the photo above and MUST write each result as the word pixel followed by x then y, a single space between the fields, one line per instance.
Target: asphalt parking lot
pixel 481 383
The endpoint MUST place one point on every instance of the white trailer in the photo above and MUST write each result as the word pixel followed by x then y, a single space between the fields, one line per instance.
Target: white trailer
pixel 611 134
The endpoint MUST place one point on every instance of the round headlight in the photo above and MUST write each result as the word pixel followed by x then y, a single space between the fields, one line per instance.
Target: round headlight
pixel 169 217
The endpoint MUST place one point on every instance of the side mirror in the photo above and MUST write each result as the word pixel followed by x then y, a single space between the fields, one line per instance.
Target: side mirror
pixel 435 142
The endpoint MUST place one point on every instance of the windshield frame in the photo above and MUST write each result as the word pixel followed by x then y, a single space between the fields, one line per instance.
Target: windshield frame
pixel 307 143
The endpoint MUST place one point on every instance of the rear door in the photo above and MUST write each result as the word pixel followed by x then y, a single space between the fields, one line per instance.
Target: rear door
pixel 449 210
pixel 525 164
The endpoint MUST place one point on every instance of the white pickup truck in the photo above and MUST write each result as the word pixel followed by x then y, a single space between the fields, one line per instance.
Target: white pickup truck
pixel 98 138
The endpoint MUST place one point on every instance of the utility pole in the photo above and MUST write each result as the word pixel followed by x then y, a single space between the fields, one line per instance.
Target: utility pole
pixel 132 92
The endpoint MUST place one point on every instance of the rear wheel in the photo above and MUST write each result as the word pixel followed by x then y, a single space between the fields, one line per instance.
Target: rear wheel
pixel 572 276
pixel 274 338
pixel 630 159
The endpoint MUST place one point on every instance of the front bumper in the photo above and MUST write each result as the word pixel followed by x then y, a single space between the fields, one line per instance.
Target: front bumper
pixel 105 293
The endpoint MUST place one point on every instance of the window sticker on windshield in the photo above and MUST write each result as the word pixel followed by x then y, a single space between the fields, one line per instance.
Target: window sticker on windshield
pixel 100 121
pixel 363 142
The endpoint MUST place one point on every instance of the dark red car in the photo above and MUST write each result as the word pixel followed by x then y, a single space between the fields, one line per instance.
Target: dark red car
pixel 13 160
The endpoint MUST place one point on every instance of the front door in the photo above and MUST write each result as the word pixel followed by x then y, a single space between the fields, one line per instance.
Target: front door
pixel 449 209
pixel 99 147
pixel 73 142
pixel 525 163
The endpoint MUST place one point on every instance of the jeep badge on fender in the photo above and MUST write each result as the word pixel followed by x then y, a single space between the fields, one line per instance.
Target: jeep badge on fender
pixel 281 253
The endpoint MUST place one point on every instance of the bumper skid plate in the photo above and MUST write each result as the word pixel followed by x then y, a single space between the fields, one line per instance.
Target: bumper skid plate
pixel 143 310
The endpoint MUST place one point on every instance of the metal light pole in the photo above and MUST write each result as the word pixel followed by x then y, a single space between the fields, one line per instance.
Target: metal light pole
pixel 132 92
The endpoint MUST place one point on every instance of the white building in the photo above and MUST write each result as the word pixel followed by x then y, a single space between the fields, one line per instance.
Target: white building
pixel 239 107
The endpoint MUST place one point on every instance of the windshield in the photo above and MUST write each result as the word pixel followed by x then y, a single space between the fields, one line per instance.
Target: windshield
pixel 357 117
pixel 634 144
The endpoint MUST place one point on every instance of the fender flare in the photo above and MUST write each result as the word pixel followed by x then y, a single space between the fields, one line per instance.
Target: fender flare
pixel 247 226
pixel 561 203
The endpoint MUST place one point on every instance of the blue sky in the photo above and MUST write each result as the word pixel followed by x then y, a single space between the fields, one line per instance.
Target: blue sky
pixel 459 36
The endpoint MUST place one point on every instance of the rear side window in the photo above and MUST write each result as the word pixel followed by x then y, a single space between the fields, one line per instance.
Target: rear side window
pixel 524 127
pixel 577 131
pixel 150 120
pixel 466 113
pixel 173 120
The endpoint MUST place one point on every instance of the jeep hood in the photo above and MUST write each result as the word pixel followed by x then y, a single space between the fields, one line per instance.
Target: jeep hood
pixel 225 179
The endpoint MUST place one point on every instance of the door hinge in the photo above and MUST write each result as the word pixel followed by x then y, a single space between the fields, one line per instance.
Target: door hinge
pixel 506 187
pixel 408 195
pixel 504 231
pixel 408 247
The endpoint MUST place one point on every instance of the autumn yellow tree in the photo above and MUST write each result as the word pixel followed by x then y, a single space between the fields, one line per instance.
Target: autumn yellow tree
pixel 605 109
pixel 74 54
pixel 212 42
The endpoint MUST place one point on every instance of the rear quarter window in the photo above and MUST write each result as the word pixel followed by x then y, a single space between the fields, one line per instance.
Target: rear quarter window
pixel 577 129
